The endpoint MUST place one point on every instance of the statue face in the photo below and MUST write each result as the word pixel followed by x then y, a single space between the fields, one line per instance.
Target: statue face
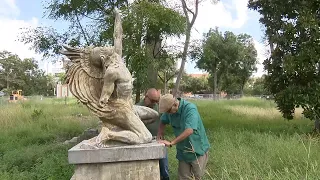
pixel 95 58
pixel 101 55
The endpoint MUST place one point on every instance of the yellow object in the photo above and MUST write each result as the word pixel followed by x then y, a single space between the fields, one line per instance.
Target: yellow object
pixel 16 96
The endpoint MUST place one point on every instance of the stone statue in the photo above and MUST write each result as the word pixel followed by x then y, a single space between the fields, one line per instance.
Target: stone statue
pixel 98 78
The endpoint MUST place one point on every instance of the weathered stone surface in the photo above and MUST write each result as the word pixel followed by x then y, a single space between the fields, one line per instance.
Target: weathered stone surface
pixel 117 163
pixel 149 151
pixel 98 78
pixel 133 170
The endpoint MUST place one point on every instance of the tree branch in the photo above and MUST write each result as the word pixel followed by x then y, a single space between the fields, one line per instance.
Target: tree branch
pixel 96 19
pixel 82 30
pixel 160 50
pixel 196 13
pixel 172 76
pixel 184 7
pixel 160 78
pixel 100 7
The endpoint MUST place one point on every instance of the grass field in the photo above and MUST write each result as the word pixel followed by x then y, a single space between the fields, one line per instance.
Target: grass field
pixel 249 140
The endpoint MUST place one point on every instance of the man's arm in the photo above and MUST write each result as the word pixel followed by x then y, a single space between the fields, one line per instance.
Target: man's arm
pixel 161 128
pixel 108 86
pixel 187 132
pixel 191 124
pixel 163 121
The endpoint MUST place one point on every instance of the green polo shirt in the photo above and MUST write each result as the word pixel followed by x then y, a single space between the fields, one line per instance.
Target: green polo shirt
pixel 153 127
pixel 188 116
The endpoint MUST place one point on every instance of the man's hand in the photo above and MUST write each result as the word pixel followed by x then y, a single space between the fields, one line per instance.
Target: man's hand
pixel 165 142
pixel 160 136
pixel 160 131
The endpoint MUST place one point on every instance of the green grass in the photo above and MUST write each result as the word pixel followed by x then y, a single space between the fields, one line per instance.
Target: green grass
pixel 31 136
pixel 249 140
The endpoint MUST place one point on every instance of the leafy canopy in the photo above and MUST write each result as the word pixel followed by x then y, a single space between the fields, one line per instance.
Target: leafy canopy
pixel 230 59
pixel 292 29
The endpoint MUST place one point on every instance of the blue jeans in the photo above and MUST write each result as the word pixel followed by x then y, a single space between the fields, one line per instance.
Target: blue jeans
pixel 164 167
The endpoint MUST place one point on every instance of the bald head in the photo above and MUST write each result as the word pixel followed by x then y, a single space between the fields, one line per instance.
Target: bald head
pixel 153 93
pixel 152 97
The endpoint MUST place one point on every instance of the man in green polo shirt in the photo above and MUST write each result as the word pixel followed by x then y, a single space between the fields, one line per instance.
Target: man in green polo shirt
pixel 191 140
pixel 151 100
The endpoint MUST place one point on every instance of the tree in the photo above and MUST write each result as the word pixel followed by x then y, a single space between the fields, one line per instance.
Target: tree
pixel 23 74
pixel 255 87
pixel 191 16
pixel 145 24
pixel 207 54
pixel 229 58
pixel 10 70
pixel 194 85
pixel 91 23
pixel 246 64
pixel 167 71
pixel 292 29
pixel 240 65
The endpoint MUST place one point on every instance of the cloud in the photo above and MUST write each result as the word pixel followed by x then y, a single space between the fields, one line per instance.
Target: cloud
pixel 221 15
pixel 9 32
pixel 232 14
pixel 8 8
pixel 10 29
pixel 262 51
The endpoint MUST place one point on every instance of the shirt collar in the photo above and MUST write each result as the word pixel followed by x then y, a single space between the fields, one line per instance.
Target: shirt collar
pixel 181 101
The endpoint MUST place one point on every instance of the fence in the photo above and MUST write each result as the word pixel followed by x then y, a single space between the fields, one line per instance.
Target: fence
pixel 213 97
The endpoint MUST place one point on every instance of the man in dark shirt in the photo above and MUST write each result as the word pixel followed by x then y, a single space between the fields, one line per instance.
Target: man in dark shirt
pixel 151 100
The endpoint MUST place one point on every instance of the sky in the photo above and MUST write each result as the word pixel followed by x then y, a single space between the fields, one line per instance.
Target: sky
pixel 227 15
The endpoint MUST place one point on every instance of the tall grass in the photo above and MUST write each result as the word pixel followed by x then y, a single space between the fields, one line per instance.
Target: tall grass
pixel 31 136
pixel 249 140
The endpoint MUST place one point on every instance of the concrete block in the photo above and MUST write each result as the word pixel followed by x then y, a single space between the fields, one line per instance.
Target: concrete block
pixel 117 163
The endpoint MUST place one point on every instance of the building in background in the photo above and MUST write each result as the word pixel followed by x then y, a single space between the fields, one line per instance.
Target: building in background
pixel 205 75
pixel 63 91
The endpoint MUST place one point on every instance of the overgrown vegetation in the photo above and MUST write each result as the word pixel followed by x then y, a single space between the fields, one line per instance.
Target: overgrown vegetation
pixel 24 74
pixel 32 136
pixel 230 59
pixel 292 31
pixel 249 139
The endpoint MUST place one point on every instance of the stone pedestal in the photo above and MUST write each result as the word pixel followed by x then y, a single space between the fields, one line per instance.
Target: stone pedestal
pixel 117 163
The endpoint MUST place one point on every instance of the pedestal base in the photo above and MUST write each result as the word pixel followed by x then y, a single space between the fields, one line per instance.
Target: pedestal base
pixel 117 163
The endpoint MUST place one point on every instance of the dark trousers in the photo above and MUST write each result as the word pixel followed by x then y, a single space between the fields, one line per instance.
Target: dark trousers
pixel 164 168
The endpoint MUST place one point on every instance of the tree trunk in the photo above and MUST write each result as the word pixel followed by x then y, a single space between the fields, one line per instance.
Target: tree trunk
pixel 271 46
pixel 215 84
pixel 153 53
pixel 317 125
pixel 153 44
pixel 138 90
pixel 7 81
pixel 190 23
pixel 183 61
pixel 242 86
pixel 165 82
